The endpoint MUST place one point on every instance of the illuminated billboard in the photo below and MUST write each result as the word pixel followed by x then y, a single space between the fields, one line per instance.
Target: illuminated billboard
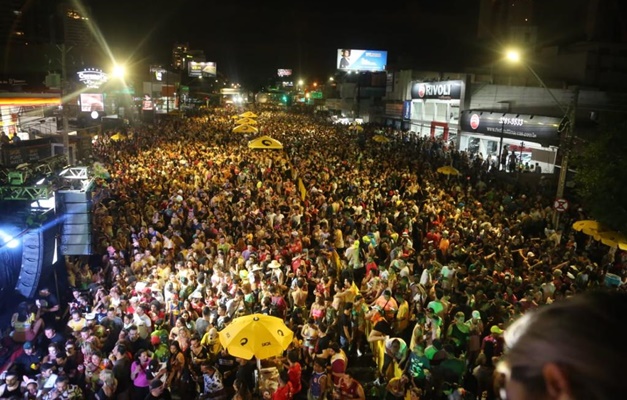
pixel 361 60
pixel 91 102
pixel 282 73
pixel 532 128
pixel 200 69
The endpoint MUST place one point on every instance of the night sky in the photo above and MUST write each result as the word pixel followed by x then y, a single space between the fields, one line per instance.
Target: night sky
pixel 249 40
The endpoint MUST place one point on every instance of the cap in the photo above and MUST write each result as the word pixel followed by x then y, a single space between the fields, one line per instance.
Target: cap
pixel 496 329
pixel 27 345
pixel 155 384
pixel 476 314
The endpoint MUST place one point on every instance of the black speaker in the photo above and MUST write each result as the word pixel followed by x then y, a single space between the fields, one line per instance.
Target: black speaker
pixel 75 208
pixel 38 248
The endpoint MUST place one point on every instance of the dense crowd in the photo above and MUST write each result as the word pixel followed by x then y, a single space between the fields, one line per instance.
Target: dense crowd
pixel 375 259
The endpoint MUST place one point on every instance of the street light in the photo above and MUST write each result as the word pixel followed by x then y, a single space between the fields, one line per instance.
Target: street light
pixel 566 126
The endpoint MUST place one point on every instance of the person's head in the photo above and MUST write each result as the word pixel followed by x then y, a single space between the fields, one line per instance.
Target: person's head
pixel 12 379
pixel 346 53
pixel 571 349
pixel 120 350
pixel 319 364
pixel 49 331
pixel 28 347
pixel 175 347
pixel 133 333
pixel 61 384
pixel 47 369
pixel 142 356
pixel 156 387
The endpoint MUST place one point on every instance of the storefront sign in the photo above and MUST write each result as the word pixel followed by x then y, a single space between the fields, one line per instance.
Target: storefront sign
pixel 531 128
pixel 92 78
pixel 445 90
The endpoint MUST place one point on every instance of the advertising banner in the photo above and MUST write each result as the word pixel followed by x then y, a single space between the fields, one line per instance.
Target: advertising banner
pixel 198 69
pixel 445 90
pixel 284 72
pixel 531 128
pixel 361 60
pixel 92 102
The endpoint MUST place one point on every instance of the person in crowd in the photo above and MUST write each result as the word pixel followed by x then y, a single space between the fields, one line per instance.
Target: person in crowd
pixel 551 354
pixel 140 374
pixel 26 323
pixel 319 384
pixel 349 388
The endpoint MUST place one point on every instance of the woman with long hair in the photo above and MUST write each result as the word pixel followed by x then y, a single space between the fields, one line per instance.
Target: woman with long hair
pixel 26 323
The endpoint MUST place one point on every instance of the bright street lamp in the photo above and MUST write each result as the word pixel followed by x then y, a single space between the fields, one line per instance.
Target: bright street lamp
pixel 513 55
pixel 566 126
pixel 119 71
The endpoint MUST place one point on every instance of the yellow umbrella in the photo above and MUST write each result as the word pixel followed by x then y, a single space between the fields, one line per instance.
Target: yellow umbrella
pixel 256 335
pixel 248 114
pixel 246 121
pixel 589 227
pixel 357 128
pixel 613 239
pixel 380 139
pixel 448 170
pixel 116 137
pixel 245 129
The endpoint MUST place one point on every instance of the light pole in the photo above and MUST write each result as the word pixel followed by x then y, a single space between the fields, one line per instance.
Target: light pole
pixel 566 128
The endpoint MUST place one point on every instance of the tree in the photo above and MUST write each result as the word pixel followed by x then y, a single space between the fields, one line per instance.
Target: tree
pixel 601 179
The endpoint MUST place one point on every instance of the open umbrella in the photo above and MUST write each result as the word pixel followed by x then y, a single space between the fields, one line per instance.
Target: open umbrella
pixel 589 227
pixel 357 128
pixel 265 142
pixel 380 139
pixel 256 335
pixel 248 114
pixel 246 121
pixel 448 170
pixel 613 239
pixel 245 129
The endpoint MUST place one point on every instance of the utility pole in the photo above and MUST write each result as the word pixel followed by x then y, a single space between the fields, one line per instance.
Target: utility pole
pixel 64 116
pixel 565 145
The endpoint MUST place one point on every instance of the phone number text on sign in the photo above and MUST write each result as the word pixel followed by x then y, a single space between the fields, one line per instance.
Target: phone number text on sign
pixel 511 121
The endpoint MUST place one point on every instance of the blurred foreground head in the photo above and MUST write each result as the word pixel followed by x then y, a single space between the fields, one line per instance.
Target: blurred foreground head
pixel 572 349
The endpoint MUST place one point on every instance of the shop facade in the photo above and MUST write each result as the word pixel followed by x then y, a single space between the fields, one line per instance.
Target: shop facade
pixel 434 109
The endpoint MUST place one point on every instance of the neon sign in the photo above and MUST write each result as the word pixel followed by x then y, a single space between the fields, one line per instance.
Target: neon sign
pixel 92 78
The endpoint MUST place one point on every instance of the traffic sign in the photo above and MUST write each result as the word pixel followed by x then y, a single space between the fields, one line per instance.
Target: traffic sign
pixel 560 205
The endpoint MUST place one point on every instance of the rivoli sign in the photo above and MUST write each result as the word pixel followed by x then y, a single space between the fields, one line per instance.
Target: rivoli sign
pixel 445 90
pixel 532 128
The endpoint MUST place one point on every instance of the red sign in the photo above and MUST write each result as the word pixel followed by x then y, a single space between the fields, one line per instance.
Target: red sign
pixel 474 121
pixel 560 205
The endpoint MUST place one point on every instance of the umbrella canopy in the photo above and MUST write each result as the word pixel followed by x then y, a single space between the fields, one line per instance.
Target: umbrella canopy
pixel 613 239
pixel 448 170
pixel 589 227
pixel 117 137
pixel 246 121
pixel 380 139
pixel 357 128
pixel 245 129
pixel 265 142
pixel 258 335
pixel 248 114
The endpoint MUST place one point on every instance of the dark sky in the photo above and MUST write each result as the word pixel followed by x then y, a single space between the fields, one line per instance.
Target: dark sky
pixel 249 40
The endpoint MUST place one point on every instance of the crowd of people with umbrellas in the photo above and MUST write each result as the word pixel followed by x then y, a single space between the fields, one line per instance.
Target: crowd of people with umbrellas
pixel 229 271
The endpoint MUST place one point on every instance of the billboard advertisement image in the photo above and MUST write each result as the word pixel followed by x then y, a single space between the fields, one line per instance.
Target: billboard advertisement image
pixel 198 69
pixel 283 72
pixel 91 102
pixel 361 60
